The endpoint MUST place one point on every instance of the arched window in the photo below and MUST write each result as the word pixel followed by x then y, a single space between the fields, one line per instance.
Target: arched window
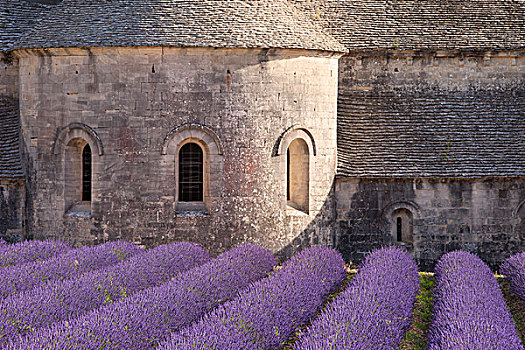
pixel 191 173
pixel 298 175
pixel 86 173
pixel 402 226
pixel 78 175
pixel 79 149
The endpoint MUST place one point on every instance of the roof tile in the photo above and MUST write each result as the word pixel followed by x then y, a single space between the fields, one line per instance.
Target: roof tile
pixel 178 23
pixel 421 24
pixel 434 134
pixel 11 166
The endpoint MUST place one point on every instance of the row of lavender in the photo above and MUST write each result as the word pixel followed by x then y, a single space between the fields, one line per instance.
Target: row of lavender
pixel 29 251
pixel 68 265
pixel 469 309
pixel 256 315
pixel 374 312
pixel 94 311
pixel 140 321
pixel 514 270
pixel 269 311
pixel 27 311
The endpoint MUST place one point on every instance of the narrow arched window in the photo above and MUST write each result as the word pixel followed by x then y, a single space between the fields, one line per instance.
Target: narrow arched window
pixel 191 173
pixel 402 226
pixel 298 175
pixel 86 173
pixel 78 176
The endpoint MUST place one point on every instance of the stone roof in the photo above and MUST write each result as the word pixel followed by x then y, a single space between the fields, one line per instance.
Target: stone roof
pixel 178 23
pixel 10 157
pixel 358 24
pixel 422 24
pixel 16 18
pixel 434 134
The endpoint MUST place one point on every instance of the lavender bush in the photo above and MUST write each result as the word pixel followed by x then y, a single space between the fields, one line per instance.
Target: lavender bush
pixel 75 262
pixel 469 309
pixel 24 252
pixel 374 312
pixel 514 270
pixel 27 311
pixel 3 245
pixel 269 311
pixel 140 321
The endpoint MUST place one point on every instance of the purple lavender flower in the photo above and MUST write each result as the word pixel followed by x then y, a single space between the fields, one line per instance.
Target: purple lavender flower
pixel 140 321
pixel 514 270
pixel 374 312
pixel 24 252
pixel 60 300
pixel 269 311
pixel 14 279
pixel 469 309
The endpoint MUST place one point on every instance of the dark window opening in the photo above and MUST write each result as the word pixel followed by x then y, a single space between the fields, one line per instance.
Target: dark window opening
pixel 86 173
pixel 399 229
pixel 191 170
pixel 402 226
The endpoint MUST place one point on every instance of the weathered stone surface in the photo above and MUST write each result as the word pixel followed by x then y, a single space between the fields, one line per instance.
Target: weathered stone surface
pixel 134 98
pixel 8 76
pixel 12 211
pixel 483 216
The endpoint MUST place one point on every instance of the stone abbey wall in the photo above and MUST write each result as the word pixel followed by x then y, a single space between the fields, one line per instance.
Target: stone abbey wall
pixel 135 107
pixel 440 124
pixel 485 216
pixel 12 210
pixel 420 71
pixel 8 76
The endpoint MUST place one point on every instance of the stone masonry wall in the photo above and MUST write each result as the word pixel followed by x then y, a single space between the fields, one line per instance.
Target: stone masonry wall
pixel 432 71
pixel 253 100
pixel 473 212
pixel 12 200
pixel 486 217
pixel 8 76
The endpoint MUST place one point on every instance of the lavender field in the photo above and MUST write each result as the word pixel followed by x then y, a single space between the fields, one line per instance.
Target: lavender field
pixel 175 296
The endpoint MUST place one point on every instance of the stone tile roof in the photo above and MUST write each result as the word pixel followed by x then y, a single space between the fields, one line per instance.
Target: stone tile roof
pixel 179 23
pixel 16 18
pixel 11 167
pixel 435 134
pixel 422 24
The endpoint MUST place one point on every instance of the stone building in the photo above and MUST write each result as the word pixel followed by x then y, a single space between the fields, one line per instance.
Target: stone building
pixel 356 123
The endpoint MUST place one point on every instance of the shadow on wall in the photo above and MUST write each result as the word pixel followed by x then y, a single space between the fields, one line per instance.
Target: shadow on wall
pixel 11 225
pixel 476 216
pixel 320 230
pixel 356 235
pixel 367 223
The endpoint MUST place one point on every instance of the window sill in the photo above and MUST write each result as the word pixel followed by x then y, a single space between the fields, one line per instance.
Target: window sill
pixel 80 210
pixel 407 246
pixel 292 210
pixel 191 209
